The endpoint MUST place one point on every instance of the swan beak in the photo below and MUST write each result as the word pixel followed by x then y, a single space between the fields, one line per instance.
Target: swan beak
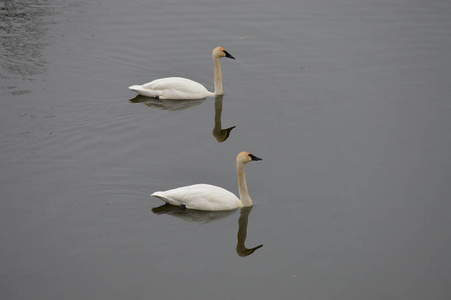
pixel 227 54
pixel 228 130
pixel 254 157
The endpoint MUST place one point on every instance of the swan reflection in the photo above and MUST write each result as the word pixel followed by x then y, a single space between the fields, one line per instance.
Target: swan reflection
pixel 167 104
pixel 220 134
pixel 242 233
pixel 203 217
pixel 193 215
pixel 173 105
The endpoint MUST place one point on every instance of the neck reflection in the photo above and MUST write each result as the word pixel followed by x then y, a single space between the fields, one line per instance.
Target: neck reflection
pixel 203 217
pixel 241 249
pixel 220 134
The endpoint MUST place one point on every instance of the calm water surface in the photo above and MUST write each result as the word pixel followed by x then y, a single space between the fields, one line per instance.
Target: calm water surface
pixel 347 102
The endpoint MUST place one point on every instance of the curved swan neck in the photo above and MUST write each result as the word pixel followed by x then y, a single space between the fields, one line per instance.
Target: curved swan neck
pixel 218 76
pixel 241 249
pixel 242 185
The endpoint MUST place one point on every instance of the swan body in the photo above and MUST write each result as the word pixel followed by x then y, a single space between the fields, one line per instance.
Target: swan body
pixel 210 197
pixel 172 88
pixel 200 196
pixel 183 88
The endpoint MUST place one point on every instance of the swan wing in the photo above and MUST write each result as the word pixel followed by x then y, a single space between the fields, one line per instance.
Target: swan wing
pixel 171 83
pixel 201 197
pixel 172 88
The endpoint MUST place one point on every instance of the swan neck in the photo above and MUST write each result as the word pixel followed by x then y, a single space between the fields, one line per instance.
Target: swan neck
pixel 218 76
pixel 242 185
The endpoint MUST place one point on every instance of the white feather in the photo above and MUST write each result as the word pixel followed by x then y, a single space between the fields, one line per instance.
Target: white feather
pixel 200 196
pixel 172 88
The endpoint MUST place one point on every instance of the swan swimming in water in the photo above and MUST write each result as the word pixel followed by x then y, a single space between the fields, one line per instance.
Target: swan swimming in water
pixel 210 197
pixel 183 88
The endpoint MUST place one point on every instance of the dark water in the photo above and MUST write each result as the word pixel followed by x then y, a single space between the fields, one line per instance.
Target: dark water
pixel 347 102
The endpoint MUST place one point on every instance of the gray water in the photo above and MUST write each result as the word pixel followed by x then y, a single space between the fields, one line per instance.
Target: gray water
pixel 347 102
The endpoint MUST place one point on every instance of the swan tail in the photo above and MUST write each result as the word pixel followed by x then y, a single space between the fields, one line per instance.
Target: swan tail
pixel 142 90
pixel 161 196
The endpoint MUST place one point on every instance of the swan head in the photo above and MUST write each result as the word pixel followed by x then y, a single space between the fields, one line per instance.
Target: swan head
pixel 245 157
pixel 221 52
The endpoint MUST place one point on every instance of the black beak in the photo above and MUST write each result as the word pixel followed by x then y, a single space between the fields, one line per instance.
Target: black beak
pixel 254 157
pixel 227 54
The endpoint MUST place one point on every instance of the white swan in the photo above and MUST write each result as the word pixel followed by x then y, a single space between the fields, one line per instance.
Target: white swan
pixel 210 197
pixel 183 88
